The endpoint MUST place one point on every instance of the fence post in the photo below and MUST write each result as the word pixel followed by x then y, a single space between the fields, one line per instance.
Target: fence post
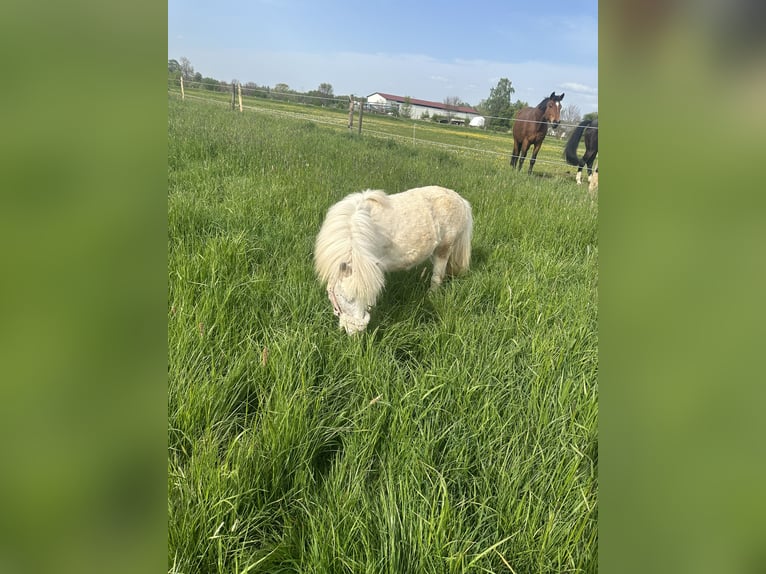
pixel 233 105
pixel 351 111
pixel 183 97
pixel 361 113
pixel 239 95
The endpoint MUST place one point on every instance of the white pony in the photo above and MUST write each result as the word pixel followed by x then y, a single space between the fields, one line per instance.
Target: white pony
pixel 368 233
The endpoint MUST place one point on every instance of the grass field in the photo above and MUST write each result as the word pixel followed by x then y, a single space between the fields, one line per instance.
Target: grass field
pixel 458 138
pixel 459 434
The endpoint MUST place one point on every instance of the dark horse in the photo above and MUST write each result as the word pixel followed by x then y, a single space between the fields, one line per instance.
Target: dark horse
pixel 590 127
pixel 530 127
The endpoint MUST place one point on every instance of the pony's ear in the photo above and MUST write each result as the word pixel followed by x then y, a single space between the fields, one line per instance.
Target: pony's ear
pixel 561 97
pixel 345 269
pixel 553 95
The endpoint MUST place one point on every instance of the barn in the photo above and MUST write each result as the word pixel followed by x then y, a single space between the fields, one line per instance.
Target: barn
pixel 387 103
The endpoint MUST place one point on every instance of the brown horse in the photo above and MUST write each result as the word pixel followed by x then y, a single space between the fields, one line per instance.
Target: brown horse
pixel 530 127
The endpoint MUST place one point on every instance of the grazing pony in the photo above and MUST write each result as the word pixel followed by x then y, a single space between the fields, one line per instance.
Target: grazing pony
pixel 590 127
pixel 530 127
pixel 368 233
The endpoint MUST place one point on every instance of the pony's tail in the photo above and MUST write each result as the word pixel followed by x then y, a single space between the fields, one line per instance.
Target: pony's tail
pixel 570 152
pixel 460 257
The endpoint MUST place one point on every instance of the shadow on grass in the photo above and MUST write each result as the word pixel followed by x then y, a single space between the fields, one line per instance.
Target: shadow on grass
pixel 405 298
pixel 479 257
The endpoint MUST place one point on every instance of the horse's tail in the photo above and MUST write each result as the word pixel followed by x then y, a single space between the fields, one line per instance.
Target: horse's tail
pixel 570 151
pixel 460 258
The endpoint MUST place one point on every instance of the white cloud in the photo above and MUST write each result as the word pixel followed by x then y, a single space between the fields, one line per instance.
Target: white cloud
pixel 579 88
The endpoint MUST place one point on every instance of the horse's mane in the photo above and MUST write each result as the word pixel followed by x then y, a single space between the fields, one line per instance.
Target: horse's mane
pixel 542 105
pixel 349 235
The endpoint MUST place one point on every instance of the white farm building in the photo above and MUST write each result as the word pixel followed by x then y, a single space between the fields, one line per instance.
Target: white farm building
pixel 386 103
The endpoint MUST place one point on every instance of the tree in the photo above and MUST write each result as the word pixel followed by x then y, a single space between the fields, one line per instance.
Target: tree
pixel 325 93
pixel 405 110
pixel 498 106
pixel 211 84
pixel 174 70
pixel 281 90
pixel 453 102
pixel 187 69
pixel 570 115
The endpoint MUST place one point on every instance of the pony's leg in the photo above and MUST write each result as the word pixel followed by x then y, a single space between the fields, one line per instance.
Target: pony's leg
pixel 439 259
pixel 578 177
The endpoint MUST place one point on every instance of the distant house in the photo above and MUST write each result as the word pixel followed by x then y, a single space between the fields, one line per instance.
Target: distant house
pixel 387 103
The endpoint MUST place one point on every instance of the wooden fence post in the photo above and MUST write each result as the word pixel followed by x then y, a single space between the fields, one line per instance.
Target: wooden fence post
pixel 183 97
pixel 361 113
pixel 233 105
pixel 239 95
pixel 351 111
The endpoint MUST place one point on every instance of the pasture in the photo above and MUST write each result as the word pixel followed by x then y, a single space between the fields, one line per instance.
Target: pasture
pixel 457 434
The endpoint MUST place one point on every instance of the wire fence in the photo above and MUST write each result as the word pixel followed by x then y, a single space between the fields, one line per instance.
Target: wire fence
pixel 342 123
pixel 323 100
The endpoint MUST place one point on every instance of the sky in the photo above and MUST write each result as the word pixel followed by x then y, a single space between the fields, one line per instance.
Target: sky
pixel 425 49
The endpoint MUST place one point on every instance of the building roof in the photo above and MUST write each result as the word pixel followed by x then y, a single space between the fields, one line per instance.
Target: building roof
pixel 427 104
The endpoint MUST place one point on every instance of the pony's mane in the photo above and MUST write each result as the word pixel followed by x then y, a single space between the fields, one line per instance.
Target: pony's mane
pixel 542 105
pixel 348 235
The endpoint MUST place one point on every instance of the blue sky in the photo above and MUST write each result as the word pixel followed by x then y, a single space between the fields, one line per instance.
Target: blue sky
pixel 423 49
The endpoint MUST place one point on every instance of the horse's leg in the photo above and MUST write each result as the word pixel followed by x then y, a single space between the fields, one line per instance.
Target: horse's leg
pixel 439 258
pixel 581 162
pixel 515 154
pixel 533 158
pixel 523 153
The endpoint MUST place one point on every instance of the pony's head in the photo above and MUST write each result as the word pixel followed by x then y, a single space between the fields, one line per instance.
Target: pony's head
pixel 551 107
pixel 353 311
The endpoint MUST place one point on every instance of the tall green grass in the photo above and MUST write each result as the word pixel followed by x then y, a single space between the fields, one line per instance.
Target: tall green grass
pixel 459 434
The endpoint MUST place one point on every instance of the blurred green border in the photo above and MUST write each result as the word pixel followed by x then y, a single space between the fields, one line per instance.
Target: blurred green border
pixel 84 292
pixel 682 281
pixel 84 349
